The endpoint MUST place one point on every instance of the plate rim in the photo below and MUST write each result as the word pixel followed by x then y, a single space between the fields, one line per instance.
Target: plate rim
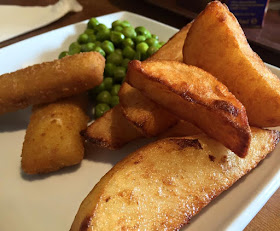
pixel 270 187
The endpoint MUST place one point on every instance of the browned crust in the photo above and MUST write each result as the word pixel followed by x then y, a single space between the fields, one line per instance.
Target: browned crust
pixel 85 221
pixel 183 143
pixel 101 142
pixel 111 131
pixel 225 52
pixel 235 117
pixel 50 81
pixel 172 50
pixel 150 111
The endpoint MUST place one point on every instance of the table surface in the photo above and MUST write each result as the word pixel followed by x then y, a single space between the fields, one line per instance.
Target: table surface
pixel 269 216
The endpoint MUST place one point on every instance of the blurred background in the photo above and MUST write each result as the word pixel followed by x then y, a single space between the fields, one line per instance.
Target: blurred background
pixel 260 19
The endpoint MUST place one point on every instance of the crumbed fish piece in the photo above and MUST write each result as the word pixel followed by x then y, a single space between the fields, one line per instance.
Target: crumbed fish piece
pixel 50 81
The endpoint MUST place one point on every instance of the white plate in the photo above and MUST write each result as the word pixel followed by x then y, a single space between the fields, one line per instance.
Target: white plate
pixel 50 202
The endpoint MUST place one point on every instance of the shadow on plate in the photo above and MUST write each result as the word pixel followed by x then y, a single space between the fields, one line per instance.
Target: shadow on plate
pixel 14 121
pixel 43 176
pixel 98 154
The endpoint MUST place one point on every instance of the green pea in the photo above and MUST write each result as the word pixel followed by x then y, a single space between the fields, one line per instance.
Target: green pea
pixel 118 51
pixel 88 47
pixel 115 89
pixel 116 37
pixel 125 23
pixel 100 109
pixel 63 54
pixel 109 69
pixel 104 97
pixel 114 58
pixel 119 73
pixel 89 31
pixel 108 82
pixel 91 38
pixel 74 45
pixel 161 43
pixel 155 36
pixel 151 50
pixel 139 39
pixel 140 30
pixel 101 27
pixel 98 89
pixel 98 43
pixel 100 50
pixel 142 47
pixel 92 23
pixel 128 42
pixel 137 55
pixel 103 35
pixel 151 42
pixel 125 62
pixel 108 47
pixel 74 51
pixel 128 52
pixel 129 32
pixel 118 28
pixel 114 100
pixel 83 38
pixel 116 23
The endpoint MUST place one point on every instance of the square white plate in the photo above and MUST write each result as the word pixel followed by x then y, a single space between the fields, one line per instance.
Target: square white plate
pixel 50 202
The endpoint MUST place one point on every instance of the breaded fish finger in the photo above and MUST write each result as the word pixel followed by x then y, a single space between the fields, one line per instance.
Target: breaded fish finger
pixel 49 81
pixel 52 139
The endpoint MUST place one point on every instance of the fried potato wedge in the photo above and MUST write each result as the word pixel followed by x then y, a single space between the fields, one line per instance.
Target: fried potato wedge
pixel 52 139
pixel 112 130
pixel 147 116
pixel 181 128
pixel 195 96
pixel 164 184
pixel 217 44
pixel 173 49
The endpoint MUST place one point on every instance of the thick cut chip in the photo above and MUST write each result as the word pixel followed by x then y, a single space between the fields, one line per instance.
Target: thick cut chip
pixel 52 139
pixel 217 44
pixel 112 130
pixel 180 129
pixel 147 116
pixel 173 49
pixel 164 184
pixel 195 96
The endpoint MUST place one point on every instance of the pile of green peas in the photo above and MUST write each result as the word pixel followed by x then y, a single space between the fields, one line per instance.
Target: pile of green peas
pixel 118 44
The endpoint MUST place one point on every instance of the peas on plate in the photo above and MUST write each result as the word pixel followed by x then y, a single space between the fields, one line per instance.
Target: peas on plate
pixel 119 44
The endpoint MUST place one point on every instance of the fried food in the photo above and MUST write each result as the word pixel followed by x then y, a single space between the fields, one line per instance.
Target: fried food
pixel 147 116
pixel 195 96
pixel 49 81
pixel 181 128
pixel 112 130
pixel 217 44
pixel 164 184
pixel 52 139
pixel 173 49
